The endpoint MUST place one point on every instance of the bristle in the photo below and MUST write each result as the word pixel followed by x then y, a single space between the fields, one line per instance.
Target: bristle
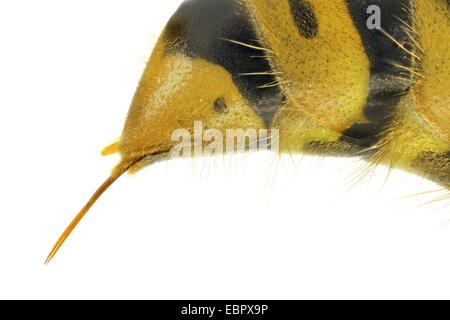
pixel 264 73
pixel 246 45
pixel 400 45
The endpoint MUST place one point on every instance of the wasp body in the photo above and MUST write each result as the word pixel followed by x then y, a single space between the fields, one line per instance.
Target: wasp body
pixel 311 69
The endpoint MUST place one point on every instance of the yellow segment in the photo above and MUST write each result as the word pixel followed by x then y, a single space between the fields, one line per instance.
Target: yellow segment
pixel 326 77
pixel 432 24
pixel 175 91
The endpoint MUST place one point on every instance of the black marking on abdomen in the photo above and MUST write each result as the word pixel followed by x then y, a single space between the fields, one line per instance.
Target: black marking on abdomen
pixel 385 87
pixel 364 135
pixel 198 30
pixel 304 17
pixel 220 106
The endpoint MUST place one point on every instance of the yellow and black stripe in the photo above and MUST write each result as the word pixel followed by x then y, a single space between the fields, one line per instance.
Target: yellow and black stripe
pixel 310 68
pixel 200 30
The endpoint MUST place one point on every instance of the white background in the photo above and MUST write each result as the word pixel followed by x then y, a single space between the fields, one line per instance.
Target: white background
pixel 244 227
